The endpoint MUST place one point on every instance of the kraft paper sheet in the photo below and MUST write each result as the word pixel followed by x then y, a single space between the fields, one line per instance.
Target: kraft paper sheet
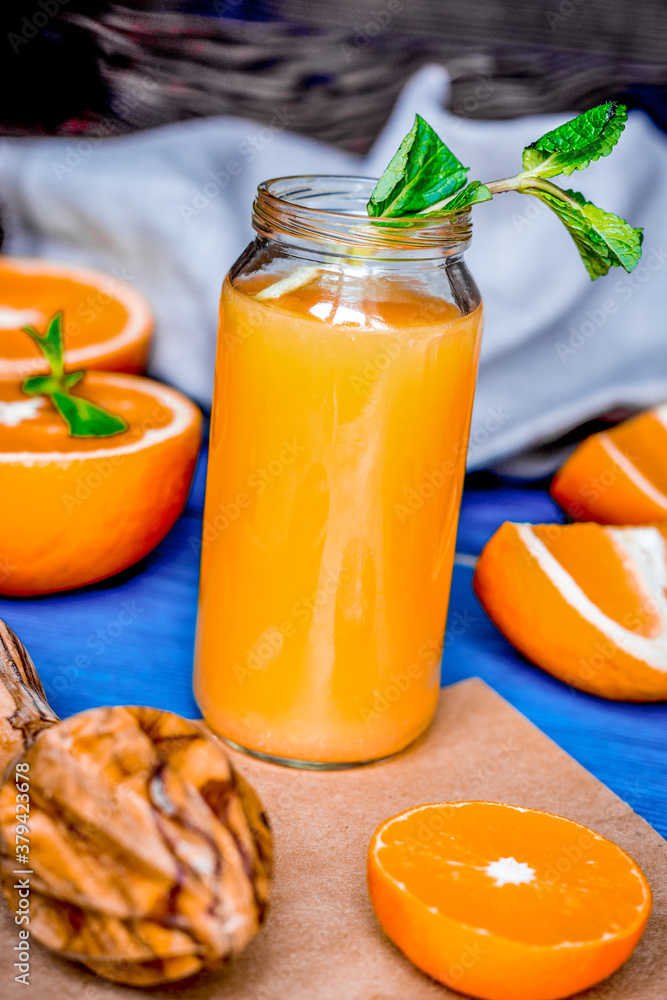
pixel 321 941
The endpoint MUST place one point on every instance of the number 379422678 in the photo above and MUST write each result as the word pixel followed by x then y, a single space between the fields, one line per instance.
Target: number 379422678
pixel 22 812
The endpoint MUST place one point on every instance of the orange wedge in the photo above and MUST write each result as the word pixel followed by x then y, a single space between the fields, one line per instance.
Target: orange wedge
pixel 504 903
pixel 108 323
pixel 618 476
pixel 77 510
pixel 585 602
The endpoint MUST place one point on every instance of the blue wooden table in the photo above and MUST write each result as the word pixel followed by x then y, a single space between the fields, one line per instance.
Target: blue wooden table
pixel 130 641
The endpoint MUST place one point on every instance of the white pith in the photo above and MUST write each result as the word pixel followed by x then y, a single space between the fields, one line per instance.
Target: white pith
pixel 184 414
pixel 636 477
pixel 13 414
pixel 642 548
pixel 11 318
pixel 139 314
pixel 660 413
pixel 509 871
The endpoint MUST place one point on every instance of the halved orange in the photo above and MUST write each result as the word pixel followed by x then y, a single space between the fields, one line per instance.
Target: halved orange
pixel 585 602
pixel 618 476
pixel 77 510
pixel 108 324
pixel 506 903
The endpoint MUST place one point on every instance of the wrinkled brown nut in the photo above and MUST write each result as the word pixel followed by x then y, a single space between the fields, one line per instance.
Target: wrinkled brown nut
pixel 151 856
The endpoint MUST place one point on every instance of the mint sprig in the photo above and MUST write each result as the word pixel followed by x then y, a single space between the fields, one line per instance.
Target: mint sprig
pixel 83 418
pixel 422 172
pixel 425 178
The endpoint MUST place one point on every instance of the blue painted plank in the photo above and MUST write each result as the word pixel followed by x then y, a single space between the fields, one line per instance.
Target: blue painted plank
pixel 484 510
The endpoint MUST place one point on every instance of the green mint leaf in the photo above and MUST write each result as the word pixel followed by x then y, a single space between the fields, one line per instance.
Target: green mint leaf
pixel 573 145
pixel 51 343
pixel 54 337
pixel 73 378
pixel 471 194
pixel 84 418
pixel 422 173
pixel 39 385
pixel 602 239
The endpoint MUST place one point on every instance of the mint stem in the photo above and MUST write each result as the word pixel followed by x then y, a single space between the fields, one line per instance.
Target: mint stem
pixel 525 182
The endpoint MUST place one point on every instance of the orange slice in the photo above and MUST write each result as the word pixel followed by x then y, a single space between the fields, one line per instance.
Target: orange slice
pixel 505 903
pixel 618 476
pixel 583 601
pixel 77 510
pixel 108 324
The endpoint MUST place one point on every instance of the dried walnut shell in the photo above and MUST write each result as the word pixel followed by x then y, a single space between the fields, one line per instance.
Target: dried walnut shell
pixel 151 855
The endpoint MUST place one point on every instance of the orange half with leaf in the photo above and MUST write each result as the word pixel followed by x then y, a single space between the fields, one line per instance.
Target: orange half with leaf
pixel 506 903
pixel 585 602
pixel 618 476
pixel 77 510
pixel 109 324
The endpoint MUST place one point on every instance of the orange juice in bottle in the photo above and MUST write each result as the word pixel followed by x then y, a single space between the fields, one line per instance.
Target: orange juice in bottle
pixel 344 387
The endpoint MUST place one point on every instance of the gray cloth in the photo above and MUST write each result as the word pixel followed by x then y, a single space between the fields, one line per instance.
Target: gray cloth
pixel 169 210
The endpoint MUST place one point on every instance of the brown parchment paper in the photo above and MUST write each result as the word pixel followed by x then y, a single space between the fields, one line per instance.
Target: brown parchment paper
pixel 321 941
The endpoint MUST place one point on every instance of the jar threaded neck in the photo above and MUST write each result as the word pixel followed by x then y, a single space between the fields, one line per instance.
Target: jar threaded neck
pixel 331 210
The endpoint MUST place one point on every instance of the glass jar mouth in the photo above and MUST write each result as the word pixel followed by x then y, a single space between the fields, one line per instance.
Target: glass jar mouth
pixel 331 209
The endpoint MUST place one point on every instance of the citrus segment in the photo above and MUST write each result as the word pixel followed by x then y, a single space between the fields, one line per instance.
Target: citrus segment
pixel 618 476
pixel 506 903
pixel 108 324
pixel 585 602
pixel 77 510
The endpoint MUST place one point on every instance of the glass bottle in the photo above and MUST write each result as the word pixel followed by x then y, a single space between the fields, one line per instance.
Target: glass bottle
pixel 345 374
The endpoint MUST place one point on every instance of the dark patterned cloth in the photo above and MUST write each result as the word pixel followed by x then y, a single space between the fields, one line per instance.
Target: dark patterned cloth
pixel 331 68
